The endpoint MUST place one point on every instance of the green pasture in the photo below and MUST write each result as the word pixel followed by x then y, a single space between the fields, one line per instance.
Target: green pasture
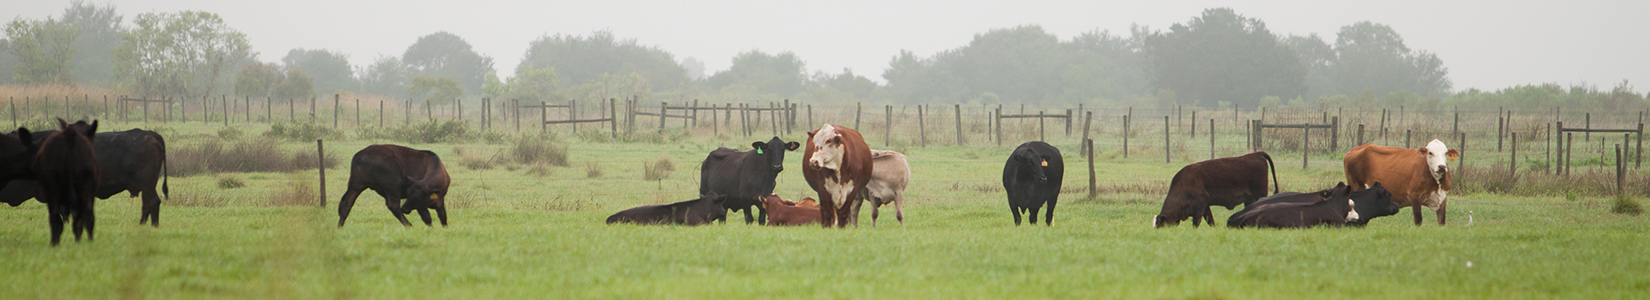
pixel 517 232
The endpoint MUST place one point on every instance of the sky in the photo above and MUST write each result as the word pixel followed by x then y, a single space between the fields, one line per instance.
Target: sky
pixel 1487 45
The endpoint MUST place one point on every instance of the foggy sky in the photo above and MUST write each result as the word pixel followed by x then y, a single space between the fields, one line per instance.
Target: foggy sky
pixel 1485 44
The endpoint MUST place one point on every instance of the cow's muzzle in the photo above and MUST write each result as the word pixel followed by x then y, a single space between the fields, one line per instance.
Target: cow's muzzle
pixel 778 168
pixel 1442 169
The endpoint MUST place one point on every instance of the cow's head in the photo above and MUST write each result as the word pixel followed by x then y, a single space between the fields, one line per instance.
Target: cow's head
pixel 430 191
pixel 1372 202
pixel 1438 158
pixel 1031 161
pixel 16 151
pixel 774 152
pixel 79 127
pixel 712 206
pixel 828 148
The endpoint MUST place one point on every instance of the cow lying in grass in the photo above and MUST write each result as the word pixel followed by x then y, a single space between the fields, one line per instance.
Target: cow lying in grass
pixel 785 213
pixel 1335 207
pixel 692 212
pixel 1369 204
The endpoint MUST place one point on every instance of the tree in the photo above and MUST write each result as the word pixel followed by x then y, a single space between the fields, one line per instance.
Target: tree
pixel 331 70
pixel 1223 56
pixel 180 54
pixel 43 48
pixel 445 55
pixel 436 90
pixel 8 62
pixel 1373 56
pixel 258 79
pixel 582 60
pixel 853 85
pixel 781 74
pixel 386 76
pixel 536 84
pixel 1022 64
pixel 295 85
pixel 94 48
pixel 1319 59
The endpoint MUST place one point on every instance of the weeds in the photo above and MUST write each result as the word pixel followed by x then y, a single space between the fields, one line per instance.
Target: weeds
pixel 539 149
pixel 301 132
pixel 299 191
pixel 658 170
pixel 1626 205
pixel 230 182
pixel 215 156
pixel 592 170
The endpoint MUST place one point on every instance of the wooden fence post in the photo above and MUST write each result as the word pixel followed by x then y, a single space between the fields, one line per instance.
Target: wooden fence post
pixel 1125 136
pixel 1620 178
pixel 858 106
pixel 664 110
pixel 1088 116
pixel 613 116
pixel 1089 145
pixel 922 130
pixel 321 167
pixel 1513 164
pixel 888 127
pixel 1211 138
pixel 1360 138
pixel 335 107
pixel 1166 154
pixel 958 109
pixel 997 118
pixel 1334 134
pixel 1068 122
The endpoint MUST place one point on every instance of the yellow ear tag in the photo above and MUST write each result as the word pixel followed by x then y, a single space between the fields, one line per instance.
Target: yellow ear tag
pixel 1045 163
pixel 435 197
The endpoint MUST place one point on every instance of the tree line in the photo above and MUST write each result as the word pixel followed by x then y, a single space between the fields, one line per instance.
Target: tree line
pixel 1219 58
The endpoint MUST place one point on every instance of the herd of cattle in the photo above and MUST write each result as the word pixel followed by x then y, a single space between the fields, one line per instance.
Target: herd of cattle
pixel 68 167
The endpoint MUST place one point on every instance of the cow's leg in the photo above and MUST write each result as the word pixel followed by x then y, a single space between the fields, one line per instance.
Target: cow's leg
pixel 761 215
pixel 1016 212
pixel 1032 216
pixel 748 217
pixel 1048 218
pixel 853 217
pixel 55 213
pixel 1209 216
pixel 90 217
pixel 1442 207
pixel 827 212
pixel 424 214
pixel 395 208
pixel 441 213
pixel 348 201
pixel 1416 209
pixel 899 208
pixel 875 206
pixel 151 208
pixel 1197 216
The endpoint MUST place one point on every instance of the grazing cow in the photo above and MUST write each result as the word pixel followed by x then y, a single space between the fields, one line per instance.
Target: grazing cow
pixel 888 179
pixel 1417 177
pixel 1369 204
pixel 66 170
pixel 1226 181
pixel 130 161
pixel 1032 177
pixel 744 177
pixel 781 214
pixel 16 153
pixel 700 211
pixel 838 168
pixel 398 173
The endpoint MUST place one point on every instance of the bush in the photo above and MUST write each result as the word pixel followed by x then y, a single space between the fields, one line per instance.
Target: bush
pixel 430 132
pixel 540 170
pixel 300 191
pixel 1626 205
pixel 532 149
pixel 472 160
pixel 592 170
pixel 301 132
pixel 261 155
pixel 229 133
pixel 230 182
pixel 658 170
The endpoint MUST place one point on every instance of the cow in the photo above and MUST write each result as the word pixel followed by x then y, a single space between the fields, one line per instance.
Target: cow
pixel 781 214
pixel 66 170
pixel 1334 210
pixel 16 154
pixel 888 179
pixel 744 177
pixel 692 212
pixel 131 161
pixel 1032 177
pixel 1417 177
pixel 808 202
pixel 398 173
pixel 838 168
pixel 1369 204
pixel 1226 181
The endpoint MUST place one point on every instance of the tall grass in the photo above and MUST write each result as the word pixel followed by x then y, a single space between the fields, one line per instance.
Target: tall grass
pixel 212 155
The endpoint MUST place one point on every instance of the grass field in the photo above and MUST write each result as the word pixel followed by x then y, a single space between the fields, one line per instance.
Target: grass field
pixel 518 233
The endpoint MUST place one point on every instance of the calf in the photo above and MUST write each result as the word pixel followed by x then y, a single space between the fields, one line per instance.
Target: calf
pixel 780 214
pixel 398 173
pixel 66 170
pixel 1369 204
pixel 838 168
pixel 132 161
pixel 1333 210
pixel 888 180
pixel 808 202
pixel 1417 177
pixel 692 212
pixel 1226 182
pixel 1032 177
pixel 744 177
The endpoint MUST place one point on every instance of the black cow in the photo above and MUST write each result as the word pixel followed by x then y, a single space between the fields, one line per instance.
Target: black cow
pixel 692 212
pixel 1370 203
pixel 1340 207
pixel 398 173
pixel 1032 177
pixel 16 154
pixel 744 177
pixel 66 169
pixel 1226 182
pixel 130 161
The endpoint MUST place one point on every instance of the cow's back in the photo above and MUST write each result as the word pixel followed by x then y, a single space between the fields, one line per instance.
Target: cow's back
pixel 719 173
pixel 1402 171
pixel 130 160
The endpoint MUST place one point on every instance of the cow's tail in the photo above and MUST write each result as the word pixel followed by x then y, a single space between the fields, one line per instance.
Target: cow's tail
pixel 165 168
pixel 1274 170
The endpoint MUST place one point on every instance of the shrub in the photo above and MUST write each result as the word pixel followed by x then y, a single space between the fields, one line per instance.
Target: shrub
pixel 1626 205
pixel 658 170
pixel 260 155
pixel 300 131
pixel 229 133
pixel 430 132
pixel 540 170
pixel 230 182
pixel 299 191
pixel 592 170
pixel 472 160
pixel 537 149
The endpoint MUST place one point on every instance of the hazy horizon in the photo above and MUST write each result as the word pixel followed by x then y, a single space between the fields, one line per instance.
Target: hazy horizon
pixel 1487 45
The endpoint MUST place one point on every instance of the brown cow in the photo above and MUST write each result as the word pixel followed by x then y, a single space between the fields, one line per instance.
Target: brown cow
pixel 838 165
pixel 66 170
pixel 1226 182
pixel 397 173
pixel 781 214
pixel 808 202
pixel 1417 177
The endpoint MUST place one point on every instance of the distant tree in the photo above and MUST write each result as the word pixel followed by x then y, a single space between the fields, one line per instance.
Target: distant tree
pixel 330 69
pixel 1223 56
pixel 695 69
pixel 533 84
pixel 1021 64
pixel 853 85
pixel 781 74
pixel 434 90
pixel 183 54
pixel 386 76
pixel 100 32
pixel 584 59
pixel 1374 56
pixel 1319 59
pixel 8 62
pixel 445 55
pixel 295 85
pixel 258 79
pixel 44 49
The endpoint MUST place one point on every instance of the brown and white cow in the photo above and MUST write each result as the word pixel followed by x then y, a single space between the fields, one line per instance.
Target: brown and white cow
pixel 887 184
pixel 1416 177
pixel 838 165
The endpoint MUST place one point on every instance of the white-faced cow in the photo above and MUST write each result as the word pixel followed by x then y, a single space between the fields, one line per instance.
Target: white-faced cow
pixel 1366 205
pixel 131 161
pixel 398 173
pixel 1417 177
pixel 1032 177
pixel 838 168
pixel 888 179
pixel 1226 182
pixel 66 169
pixel 744 177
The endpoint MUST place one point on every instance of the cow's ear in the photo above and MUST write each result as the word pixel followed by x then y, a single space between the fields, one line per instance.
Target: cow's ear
pixel 92 131
pixel 1423 150
pixel 63 125
pixel 758 146
pixel 791 146
pixel 26 137
pixel 1452 154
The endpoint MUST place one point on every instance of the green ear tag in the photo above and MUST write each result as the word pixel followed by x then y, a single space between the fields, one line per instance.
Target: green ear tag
pixel 758 150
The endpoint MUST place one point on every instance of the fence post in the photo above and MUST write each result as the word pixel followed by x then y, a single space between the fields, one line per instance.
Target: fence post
pixel 321 167
pixel 1306 142
pixel 1068 122
pixel 1211 138
pixel 715 129
pixel 958 109
pixel 1569 145
pixel 380 113
pixel 1513 164
pixel 1587 135
pixel 858 106
pixel 1620 179
pixel 1462 164
pixel 922 130
pixel 1638 150
pixel 997 118
pixel 1167 156
pixel 1089 145
pixel 1194 124
pixel 810 115
pixel 1500 127
pixel 1360 140
pixel 1406 138
pixel 664 109
pixel 1334 134
pixel 336 106
pixel 225 99
pixel 11 101
pixel 1125 136
pixel 1040 123
pixel 887 128
pixel 1087 117
pixel 544 117
pixel 612 116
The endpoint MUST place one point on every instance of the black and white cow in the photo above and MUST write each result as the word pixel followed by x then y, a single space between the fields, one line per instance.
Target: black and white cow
pixel 742 178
